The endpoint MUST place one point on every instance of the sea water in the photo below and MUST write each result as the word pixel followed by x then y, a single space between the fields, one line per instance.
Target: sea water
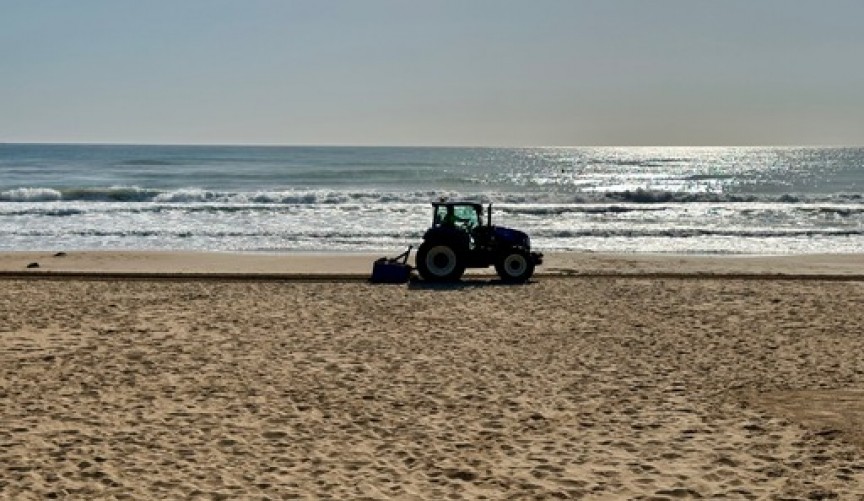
pixel 277 199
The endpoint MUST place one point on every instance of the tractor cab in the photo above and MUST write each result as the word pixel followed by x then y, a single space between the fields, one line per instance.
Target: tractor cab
pixel 460 215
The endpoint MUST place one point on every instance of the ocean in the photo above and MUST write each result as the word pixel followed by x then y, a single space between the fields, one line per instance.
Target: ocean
pixel 712 200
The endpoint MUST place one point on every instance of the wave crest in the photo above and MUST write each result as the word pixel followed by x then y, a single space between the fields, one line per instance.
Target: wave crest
pixel 300 196
pixel 30 195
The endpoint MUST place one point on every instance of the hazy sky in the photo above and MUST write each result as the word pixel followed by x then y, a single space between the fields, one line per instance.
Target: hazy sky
pixel 437 72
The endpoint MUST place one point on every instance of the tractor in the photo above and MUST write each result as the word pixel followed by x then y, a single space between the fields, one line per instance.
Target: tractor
pixel 458 239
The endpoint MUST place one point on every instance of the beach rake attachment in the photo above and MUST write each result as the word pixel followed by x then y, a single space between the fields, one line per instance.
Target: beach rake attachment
pixel 394 270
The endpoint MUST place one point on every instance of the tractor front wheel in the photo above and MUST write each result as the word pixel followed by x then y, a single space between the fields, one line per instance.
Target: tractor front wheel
pixel 515 266
pixel 439 262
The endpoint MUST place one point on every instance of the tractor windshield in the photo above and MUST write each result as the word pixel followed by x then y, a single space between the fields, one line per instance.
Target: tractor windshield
pixel 466 216
pixel 460 216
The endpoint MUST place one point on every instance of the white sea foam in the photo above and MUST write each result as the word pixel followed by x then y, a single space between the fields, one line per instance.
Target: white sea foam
pixel 30 195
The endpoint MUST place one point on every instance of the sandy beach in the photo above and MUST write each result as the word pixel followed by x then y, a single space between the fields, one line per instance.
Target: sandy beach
pixel 607 377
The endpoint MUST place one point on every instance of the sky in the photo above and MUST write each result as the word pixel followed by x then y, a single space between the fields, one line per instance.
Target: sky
pixel 436 72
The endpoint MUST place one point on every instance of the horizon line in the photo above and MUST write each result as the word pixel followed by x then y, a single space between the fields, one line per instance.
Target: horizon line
pixel 418 146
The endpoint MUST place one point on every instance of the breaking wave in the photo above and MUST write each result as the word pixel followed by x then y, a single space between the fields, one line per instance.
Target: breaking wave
pixel 310 197
pixel 30 195
pixel 110 194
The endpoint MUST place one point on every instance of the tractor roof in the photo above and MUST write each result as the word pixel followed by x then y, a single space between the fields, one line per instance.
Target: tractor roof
pixel 478 207
pixel 457 202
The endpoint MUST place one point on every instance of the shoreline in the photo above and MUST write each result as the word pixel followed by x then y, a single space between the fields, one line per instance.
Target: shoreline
pixel 356 266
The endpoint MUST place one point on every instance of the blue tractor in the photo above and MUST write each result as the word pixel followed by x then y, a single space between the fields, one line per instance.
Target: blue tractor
pixel 458 239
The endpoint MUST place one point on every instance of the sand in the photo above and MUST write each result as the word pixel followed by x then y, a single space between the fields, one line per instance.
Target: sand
pixel 719 379
pixel 341 265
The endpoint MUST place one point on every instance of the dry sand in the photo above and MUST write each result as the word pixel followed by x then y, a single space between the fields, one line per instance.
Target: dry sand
pixel 582 387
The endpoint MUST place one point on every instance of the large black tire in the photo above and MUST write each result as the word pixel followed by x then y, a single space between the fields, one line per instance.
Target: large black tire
pixel 439 262
pixel 515 267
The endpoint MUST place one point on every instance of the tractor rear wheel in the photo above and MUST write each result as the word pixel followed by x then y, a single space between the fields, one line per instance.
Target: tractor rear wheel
pixel 439 262
pixel 515 266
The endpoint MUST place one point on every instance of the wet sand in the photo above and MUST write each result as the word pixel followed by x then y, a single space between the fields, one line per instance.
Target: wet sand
pixel 359 265
pixel 618 385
